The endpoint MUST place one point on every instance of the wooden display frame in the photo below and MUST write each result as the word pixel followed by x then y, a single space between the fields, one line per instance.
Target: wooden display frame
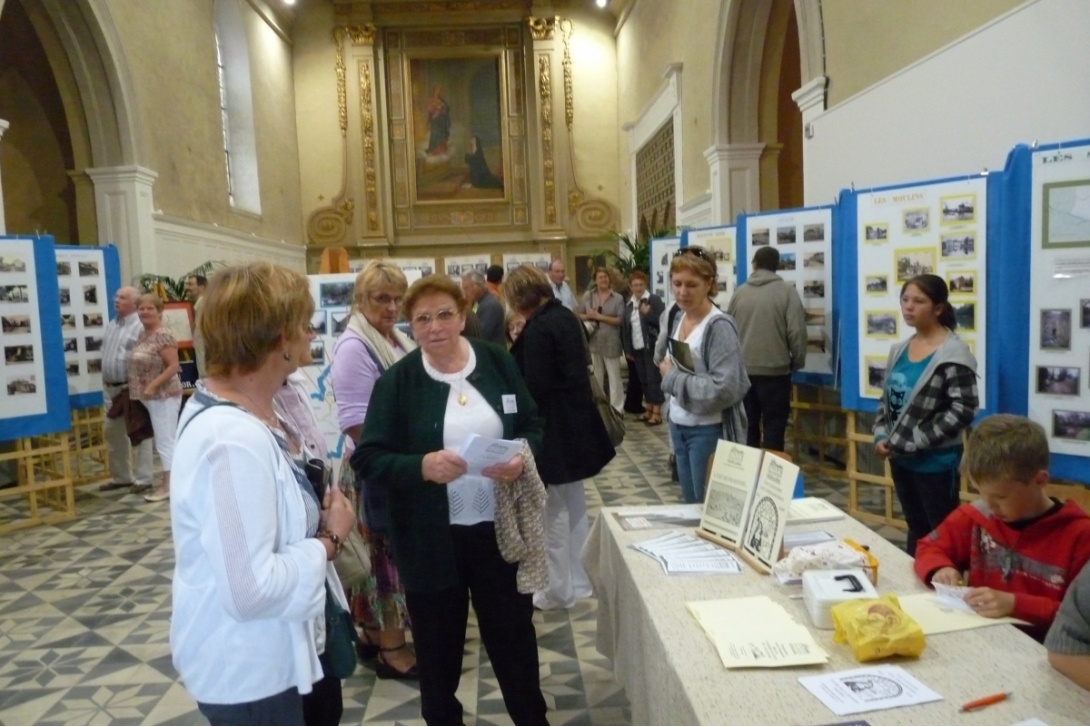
pixel 43 465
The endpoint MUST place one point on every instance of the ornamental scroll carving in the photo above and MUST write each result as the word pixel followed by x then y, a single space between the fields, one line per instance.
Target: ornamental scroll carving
pixel 545 86
pixel 542 28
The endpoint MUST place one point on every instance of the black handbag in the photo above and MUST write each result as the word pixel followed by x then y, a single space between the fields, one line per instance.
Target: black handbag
pixel 611 418
pixel 340 638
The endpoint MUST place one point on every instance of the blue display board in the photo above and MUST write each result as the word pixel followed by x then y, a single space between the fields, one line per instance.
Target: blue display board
pixel 33 386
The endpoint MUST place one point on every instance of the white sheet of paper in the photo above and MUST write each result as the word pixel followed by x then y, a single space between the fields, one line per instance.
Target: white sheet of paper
pixel 953 596
pixel 813 510
pixel 756 631
pixel 480 452
pixel 807 537
pixel 868 689
pixel 935 617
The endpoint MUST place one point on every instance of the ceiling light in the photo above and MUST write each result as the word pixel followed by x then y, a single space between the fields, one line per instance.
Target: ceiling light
pixel 600 3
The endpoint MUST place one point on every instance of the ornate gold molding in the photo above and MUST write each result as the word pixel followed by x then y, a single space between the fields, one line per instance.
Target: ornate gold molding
pixel 329 225
pixel 370 166
pixel 569 95
pixel 542 28
pixel 545 85
pixel 362 34
pixel 339 69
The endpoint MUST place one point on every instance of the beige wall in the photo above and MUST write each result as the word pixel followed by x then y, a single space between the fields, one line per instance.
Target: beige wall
pixel 177 114
pixel 653 36
pixel 866 41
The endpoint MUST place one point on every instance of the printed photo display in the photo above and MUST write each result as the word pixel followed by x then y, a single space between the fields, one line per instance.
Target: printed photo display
pixel 936 228
pixel 22 371
pixel 720 244
pixel 1059 320
pixel 804 240
pixel 81 278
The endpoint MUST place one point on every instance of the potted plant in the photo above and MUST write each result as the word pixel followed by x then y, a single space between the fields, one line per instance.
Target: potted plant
pixel 170 289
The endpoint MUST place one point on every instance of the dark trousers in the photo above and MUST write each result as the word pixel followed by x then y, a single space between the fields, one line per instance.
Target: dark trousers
pixel 324 705
pixel 926 499
pixel 505 617
pixel 768 405
pixel 285 708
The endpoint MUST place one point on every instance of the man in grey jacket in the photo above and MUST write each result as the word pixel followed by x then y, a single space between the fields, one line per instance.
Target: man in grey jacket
pixel 772 324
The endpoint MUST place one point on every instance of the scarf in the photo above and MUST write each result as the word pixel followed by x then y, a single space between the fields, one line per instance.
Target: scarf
pixel 378 343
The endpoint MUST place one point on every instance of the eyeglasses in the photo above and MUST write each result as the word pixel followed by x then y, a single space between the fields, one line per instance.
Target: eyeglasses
pixel 425 319
pixel 694 250
pixel 385 300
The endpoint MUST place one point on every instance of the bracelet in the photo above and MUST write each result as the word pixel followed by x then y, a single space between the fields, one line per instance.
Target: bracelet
pixel 333 538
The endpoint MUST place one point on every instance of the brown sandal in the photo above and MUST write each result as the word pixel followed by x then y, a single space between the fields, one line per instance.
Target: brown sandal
pixel 653 421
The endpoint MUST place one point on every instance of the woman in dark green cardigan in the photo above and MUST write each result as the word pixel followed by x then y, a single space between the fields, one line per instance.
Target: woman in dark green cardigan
pixel 440 517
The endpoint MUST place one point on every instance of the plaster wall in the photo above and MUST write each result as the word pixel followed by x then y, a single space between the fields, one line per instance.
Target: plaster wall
pixel 655 35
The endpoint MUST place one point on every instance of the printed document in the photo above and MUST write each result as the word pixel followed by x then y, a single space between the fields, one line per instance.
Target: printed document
pixel 481 452
pixel 868 689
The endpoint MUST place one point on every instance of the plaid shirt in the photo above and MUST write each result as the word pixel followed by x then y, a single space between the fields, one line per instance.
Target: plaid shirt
pixel 936 416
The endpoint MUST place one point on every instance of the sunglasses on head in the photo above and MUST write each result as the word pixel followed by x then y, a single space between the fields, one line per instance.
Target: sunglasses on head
pixel 694 250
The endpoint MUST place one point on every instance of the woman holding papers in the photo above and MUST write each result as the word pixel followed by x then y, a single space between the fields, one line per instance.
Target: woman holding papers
pixel 369 345
pixel 551 355
pixel 441 519
pixel 702 371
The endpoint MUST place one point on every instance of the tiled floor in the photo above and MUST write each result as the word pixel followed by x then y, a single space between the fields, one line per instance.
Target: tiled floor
pixel 85 606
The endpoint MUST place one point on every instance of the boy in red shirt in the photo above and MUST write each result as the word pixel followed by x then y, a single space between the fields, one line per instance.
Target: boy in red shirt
pixel 1020 547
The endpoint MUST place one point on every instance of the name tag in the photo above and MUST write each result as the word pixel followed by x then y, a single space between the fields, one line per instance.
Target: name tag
pixel 509 405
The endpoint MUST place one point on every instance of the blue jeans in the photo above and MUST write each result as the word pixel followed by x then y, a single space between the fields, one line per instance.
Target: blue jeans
pixel 693 446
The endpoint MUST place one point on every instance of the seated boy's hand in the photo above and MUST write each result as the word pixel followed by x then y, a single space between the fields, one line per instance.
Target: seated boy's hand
pixel 947 576
pixel 990 603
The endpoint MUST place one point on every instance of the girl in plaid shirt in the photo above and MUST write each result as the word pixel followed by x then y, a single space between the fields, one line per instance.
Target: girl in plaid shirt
pixel 928 399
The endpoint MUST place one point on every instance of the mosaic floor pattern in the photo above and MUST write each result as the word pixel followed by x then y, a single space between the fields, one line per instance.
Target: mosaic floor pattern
pixel 85 605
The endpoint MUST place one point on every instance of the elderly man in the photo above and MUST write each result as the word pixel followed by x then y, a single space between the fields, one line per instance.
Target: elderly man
pixel 489 310
pixel 561 289
pixel 119 338
pixel 194 288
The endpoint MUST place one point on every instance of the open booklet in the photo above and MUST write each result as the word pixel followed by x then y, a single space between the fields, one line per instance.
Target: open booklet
pixel 748 500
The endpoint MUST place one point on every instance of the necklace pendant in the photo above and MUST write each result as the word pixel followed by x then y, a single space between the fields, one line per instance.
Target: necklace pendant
pixel 462 400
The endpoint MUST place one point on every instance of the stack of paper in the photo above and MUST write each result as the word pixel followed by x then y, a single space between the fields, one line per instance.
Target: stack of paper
pixel 682 553
pixel 756 632
pixel 812 510
pixel 681 516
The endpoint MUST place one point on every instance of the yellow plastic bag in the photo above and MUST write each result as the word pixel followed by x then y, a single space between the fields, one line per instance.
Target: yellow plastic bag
pixel 876 628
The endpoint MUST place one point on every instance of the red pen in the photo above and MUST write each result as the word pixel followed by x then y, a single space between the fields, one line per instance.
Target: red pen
pixel 984 701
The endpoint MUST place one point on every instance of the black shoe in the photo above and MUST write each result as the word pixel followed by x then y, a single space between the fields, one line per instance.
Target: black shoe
pixel 673 469
pixel 366 650
pixel 385 671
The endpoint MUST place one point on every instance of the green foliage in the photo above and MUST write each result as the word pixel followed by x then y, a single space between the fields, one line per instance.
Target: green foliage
pixel 170 289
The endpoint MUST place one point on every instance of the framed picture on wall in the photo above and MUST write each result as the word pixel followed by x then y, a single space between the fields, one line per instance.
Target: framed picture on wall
pixel 1064 221
pixel 456 132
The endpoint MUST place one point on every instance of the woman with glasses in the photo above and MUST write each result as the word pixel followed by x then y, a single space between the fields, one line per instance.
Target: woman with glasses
pixel 702 370
pixel 441 517
pixel 602 309
pixel 370 345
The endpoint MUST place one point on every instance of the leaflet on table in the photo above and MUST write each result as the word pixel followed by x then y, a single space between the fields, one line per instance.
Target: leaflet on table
pixel 936 616
pixel 868 689
pixel 682 553
pixel 682 355
pixel 806 537
pixel 481 452
pixel 730 489
pixel 813 510
pixel 756 632
pixel 682 516
pixel 763 537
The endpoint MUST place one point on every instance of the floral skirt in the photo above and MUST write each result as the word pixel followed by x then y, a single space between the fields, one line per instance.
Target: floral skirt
pixel 380 601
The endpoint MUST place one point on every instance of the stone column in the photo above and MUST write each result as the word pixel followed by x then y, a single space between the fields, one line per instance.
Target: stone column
pixel 811 102
pixel 3 127
pixel 735 177
pixel 124 203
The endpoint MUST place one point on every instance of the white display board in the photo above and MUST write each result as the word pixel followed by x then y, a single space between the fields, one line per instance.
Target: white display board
pixel 83 293
pixel 662 252
pixel 721 243
pixel 938 228
pixel 541 260
pixel 413 267
pixel 22 367
pixel 459 265
pixel 1059 316
pixel 804 240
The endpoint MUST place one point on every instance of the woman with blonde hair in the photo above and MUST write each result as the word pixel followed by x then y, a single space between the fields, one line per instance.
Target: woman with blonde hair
pixel 370 345
pixel 253 541
pixel 601 310
pixel 704 371
pixel 153 381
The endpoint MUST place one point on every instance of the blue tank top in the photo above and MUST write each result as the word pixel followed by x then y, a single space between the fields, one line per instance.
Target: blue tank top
pixel 900 382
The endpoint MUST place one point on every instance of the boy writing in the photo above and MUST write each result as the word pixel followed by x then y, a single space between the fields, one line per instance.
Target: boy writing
pixel 1021 548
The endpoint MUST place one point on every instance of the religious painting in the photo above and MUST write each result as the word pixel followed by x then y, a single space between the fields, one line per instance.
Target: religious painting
pixel 457 134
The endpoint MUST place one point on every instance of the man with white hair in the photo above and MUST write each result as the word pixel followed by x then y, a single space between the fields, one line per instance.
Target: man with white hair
pixel 561 289
pixel 118 340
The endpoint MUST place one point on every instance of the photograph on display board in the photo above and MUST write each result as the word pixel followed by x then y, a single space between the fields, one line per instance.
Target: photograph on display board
pixel 70 345
pixel 1084 315
pixel 1071 425
pixel 1062 380
pixel 882 323
pixel 92 320
pixel 1055 329
pixel 19 384
pixel 874 376
pixel 958 246
pixel 1065 219
pixel 71 368
pixel 94 366
pixel 14 294
pixel 813 260
pixel 12 264
pixel 914 261
pixel 64 268
pixel 92 343
pixel 814 316
pixel 15 324
pixel 178 319
pixel 876 284
pixel 875 232
pixel 338 321
pixel 335 295
pixel 90 294
pixel 65 296
pixel 785 235
pixel 916 220
pixel 965 315
pixel 18 354
pixel 88 269
pixel 958 209
pixel 787 261
pixel 317 353
pixel 813 289
pixel 813 233
pixel 759 236
pixel 68 321
pixel 961 282
pixel 318 325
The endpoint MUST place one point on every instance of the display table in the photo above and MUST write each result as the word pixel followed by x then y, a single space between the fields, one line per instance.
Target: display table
pixel 672 674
